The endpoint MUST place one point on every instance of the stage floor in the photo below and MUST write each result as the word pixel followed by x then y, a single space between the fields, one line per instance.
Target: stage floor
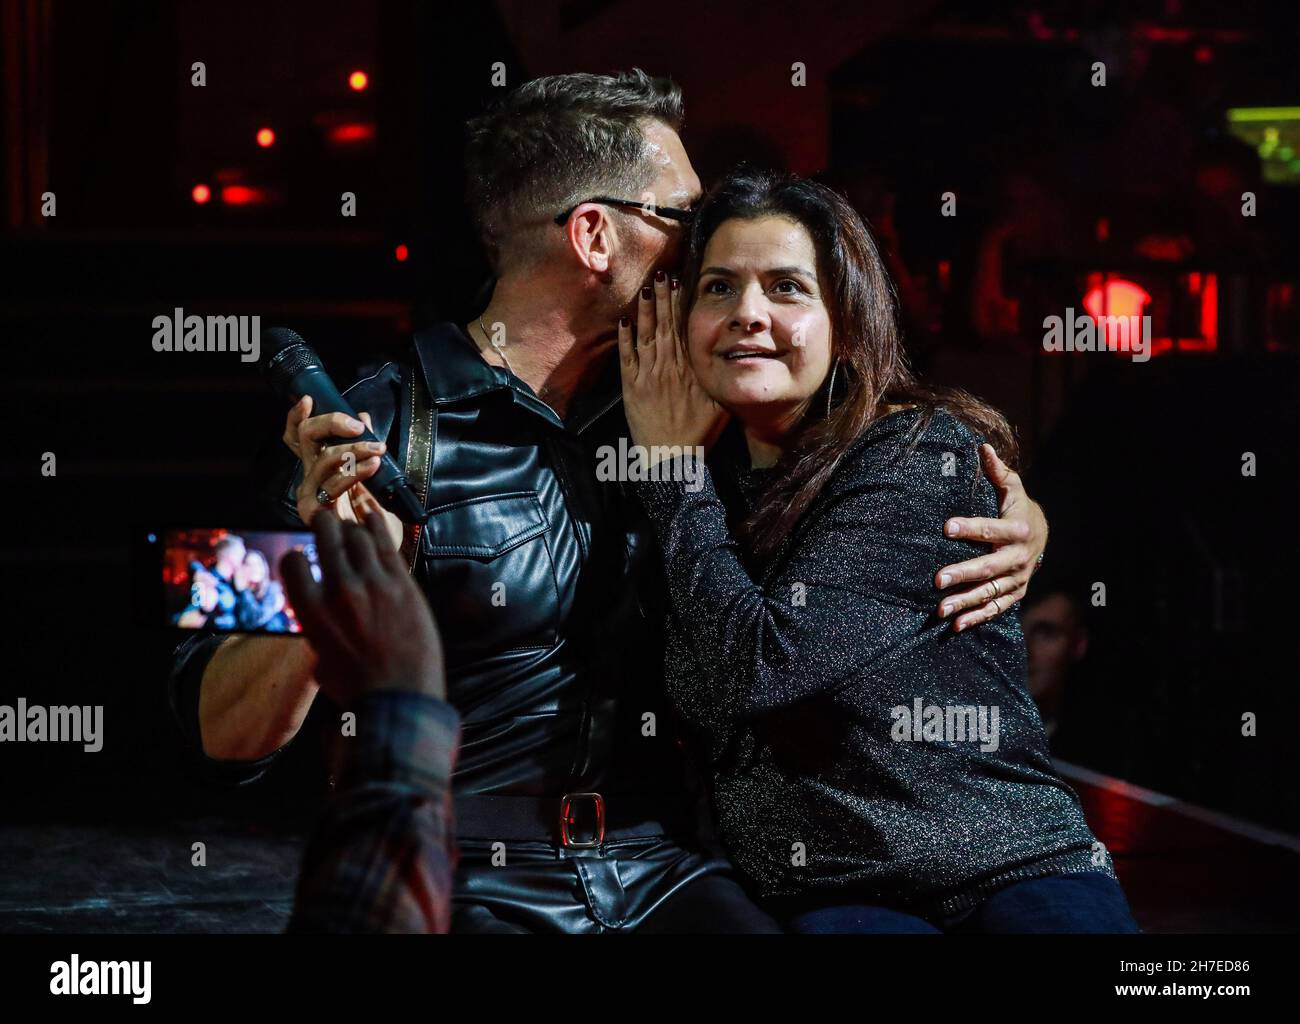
pixel 1184 869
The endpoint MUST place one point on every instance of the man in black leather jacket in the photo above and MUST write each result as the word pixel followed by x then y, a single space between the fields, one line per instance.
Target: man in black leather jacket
pixel 575 811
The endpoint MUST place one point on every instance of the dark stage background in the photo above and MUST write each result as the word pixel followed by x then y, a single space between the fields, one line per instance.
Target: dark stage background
pixel 1138 184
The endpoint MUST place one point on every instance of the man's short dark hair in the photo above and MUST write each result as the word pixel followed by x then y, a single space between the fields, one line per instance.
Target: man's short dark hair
pixel 1074 589
pixel 557 141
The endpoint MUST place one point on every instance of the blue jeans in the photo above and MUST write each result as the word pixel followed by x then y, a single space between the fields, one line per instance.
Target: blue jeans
pixel 1090 902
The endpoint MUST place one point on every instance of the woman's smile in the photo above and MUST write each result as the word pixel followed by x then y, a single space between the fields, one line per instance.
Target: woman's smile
pixel 743 355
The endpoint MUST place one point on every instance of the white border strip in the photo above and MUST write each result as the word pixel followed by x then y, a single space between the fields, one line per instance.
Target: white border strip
pixel 1147 796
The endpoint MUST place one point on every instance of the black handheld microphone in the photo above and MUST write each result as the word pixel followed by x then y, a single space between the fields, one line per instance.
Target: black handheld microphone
pixel 294 370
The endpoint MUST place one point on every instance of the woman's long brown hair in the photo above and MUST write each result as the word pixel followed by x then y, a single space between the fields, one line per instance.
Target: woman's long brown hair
pixel 865 339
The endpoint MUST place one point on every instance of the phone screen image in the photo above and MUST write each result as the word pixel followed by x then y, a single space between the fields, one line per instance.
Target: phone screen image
pixel 228 581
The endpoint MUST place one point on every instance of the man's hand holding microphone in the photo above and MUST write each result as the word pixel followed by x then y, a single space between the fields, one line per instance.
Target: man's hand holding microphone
pixel 334 475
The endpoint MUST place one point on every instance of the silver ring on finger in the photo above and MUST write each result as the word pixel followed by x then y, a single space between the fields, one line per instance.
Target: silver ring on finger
pixel 323 497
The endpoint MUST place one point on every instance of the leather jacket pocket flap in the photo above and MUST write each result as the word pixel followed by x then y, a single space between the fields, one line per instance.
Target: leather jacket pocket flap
pixel 484 527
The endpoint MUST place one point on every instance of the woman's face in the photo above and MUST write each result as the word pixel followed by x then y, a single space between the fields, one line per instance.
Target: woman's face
pixel 255 569
pixel 759 333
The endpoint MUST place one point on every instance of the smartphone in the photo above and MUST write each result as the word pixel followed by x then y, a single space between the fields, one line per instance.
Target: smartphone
pixel 219 580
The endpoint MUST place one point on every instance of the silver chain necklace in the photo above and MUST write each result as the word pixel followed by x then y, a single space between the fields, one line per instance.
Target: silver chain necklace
pixel 498 349
pixel 501 351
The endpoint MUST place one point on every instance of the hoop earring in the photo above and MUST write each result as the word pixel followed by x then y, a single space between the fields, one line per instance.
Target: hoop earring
pixel 830 391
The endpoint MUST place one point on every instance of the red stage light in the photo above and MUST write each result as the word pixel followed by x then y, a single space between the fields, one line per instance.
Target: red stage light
pixel 1208 289
pixel 201 194
pixel 352 131
pixel 1120 299
pixel 265 137
pixel 241 195
pixel 358 80
pixel 401 252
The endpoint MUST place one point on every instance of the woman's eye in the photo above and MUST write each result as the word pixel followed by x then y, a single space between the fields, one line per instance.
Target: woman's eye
pixel 793 288
pixel 715 287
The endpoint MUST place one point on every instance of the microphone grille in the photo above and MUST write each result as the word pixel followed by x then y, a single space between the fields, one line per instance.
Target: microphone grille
pixel 278 338
pixel 286 354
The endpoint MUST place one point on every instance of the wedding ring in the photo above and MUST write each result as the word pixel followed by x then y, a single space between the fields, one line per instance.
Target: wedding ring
pixel 996 589
pixel 323 496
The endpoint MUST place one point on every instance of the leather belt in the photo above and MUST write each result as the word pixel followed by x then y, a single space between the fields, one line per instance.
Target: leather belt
pixel 574 821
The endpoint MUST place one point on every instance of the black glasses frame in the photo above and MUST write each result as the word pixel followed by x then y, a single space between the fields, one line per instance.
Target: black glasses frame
pixel 671 212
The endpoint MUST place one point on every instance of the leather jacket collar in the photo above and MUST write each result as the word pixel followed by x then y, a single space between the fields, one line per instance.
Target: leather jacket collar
pixel 454 371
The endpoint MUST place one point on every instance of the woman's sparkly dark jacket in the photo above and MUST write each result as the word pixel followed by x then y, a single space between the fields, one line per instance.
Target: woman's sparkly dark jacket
pixel 796 675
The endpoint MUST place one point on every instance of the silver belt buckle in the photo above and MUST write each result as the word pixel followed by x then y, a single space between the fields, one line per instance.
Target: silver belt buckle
pixel 566 819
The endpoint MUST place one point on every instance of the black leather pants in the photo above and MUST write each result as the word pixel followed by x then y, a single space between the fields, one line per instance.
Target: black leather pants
pixel 643 885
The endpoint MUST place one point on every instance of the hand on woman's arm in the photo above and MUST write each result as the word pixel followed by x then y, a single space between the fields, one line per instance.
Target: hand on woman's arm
pixel 992 583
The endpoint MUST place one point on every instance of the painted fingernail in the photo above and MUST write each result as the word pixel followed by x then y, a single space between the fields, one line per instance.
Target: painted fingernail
pixel 674 284
pixel 647 292
pixel 952 529
pixel 659 277
pixel 625 321
pixel 944 579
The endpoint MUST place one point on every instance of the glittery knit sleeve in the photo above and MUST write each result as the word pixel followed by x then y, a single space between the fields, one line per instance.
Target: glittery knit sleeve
pixel 852 593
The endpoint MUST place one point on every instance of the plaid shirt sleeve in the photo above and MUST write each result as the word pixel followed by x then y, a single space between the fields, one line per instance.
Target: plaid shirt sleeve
pixel 381 859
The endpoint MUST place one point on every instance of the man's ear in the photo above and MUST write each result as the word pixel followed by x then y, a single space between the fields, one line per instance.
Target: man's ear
pixel 591 237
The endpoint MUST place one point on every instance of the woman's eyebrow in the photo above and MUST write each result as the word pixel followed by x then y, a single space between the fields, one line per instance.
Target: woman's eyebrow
pixel 728 272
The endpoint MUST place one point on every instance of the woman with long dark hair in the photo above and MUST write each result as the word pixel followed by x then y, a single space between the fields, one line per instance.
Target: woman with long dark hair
pixel 872 768
pixel 261 602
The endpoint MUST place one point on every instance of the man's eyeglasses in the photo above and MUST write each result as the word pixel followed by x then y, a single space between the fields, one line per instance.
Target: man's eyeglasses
pixel 671 212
